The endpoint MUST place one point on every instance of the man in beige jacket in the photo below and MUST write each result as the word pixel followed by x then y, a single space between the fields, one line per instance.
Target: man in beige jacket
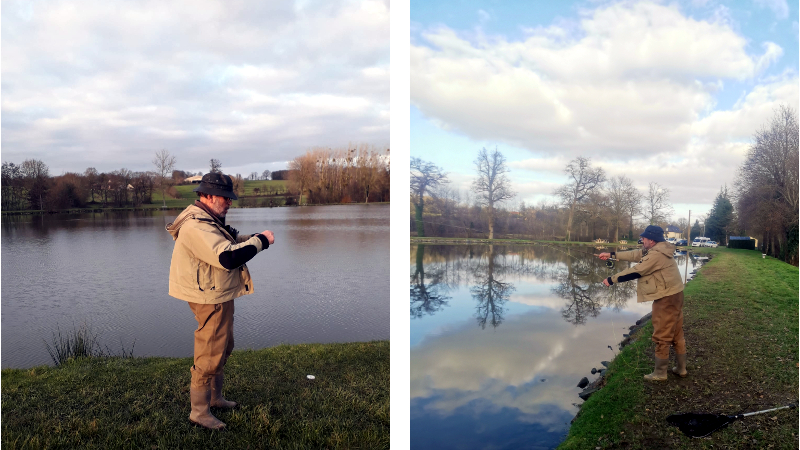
pixel 208 270
pixel 658 280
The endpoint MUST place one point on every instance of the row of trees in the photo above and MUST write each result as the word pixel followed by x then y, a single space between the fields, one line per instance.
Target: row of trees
pixel 30 186
pixel 589 205
pixel 325 175
pixel 767 187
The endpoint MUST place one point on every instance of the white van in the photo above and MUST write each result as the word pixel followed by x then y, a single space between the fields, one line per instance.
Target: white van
pixel 700 241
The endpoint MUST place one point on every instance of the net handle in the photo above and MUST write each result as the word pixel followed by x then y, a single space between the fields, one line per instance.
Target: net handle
pixel 768 410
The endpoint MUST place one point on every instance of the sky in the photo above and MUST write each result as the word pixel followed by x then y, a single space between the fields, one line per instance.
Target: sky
pixel 659 91
pixel 92 83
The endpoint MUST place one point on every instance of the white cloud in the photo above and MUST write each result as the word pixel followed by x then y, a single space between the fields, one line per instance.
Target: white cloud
pixel 461 364
pixel 772 53
pixel 629 84
pixel 92 83
pixel 635 89
pixel 779 7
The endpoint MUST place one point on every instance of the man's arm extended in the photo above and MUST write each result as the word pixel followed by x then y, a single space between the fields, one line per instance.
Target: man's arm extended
pixel 231 259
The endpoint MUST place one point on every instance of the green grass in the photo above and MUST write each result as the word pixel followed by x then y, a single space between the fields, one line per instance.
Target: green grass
pixel 741 326
pixel 108 403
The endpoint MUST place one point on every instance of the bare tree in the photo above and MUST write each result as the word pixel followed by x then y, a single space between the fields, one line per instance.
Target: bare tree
pixel 634 207
pixel 265 175
pixel 492 185
pixel 767 186
pixel 624 200
pixel 164 163
pixel 216 166
pixel 37 181
pixel 238 184
pixel 301 173
pixel 583 181
pixel 657 208
pixel 425 178
pixel 91 177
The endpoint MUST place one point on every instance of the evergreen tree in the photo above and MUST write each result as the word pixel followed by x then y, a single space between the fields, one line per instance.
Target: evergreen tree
pixel 697 230
pixel 720 218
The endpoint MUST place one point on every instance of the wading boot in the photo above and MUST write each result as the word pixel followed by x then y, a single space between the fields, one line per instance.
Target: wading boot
pixel 680 369
pixel 217 400
pixel 201 415
pixel 660 372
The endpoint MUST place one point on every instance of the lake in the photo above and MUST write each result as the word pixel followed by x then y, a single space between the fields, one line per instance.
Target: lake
pixel 326 279
pixel 502 334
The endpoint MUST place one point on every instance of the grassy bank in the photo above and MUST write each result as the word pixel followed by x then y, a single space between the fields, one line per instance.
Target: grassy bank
pixel 144 402
pixel 741 327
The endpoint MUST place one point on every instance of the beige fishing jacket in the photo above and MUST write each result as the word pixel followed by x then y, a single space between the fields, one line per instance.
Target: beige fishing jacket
pixel 195 273
pixel 657 273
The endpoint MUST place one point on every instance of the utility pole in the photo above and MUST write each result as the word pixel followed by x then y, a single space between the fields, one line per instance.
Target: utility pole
pixel 688 244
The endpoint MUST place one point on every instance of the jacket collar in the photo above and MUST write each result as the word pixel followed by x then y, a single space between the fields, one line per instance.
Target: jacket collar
pixel 201 205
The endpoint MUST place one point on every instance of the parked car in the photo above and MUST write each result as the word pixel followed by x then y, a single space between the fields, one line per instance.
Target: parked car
pixel 711 244
pixel 700 241
pixel 672 240
pixel 682 243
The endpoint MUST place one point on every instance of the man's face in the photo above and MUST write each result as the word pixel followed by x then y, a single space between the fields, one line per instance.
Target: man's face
pixel 220 205
pixel 648 243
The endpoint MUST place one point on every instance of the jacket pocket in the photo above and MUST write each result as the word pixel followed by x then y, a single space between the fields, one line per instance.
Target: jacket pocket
pixel 205 277
pixel 661 284
pixel 648 285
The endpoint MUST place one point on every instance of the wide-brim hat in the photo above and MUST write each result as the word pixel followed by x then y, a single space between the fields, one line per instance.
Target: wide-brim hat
pixel 215 183
pixel 654 233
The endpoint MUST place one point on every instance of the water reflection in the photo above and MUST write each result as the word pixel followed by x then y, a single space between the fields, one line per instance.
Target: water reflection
pixel 427 297
pixel 490 292
pixel 544 321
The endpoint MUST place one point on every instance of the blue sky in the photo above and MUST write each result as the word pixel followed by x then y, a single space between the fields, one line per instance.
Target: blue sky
pixel 250 83
pixel 669 92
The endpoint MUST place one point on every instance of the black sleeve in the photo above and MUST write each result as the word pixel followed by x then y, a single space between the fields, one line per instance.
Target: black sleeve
pixel 629 277
pixel 235 258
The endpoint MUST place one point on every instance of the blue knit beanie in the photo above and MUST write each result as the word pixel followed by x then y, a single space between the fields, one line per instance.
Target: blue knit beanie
pixel 654 233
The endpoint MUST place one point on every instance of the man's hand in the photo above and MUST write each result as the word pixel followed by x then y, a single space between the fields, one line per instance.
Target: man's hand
pixel 268 234
pixel 605 280
pixel 603 256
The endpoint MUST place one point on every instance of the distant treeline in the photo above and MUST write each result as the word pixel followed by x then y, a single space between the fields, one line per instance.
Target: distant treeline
pixel 30 186
pixel 360 174
pixel 355 174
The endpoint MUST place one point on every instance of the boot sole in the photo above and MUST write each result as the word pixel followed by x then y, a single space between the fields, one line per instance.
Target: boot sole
pixel 655 379
pixel 198 424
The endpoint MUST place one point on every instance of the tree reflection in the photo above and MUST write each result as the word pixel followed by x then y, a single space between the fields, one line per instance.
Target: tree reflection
pixel 490 293
pixel 427 298
pixel 581 284
pixel 490 271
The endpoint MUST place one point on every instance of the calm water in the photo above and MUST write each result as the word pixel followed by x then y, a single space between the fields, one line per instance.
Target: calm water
pixel 326 279
pixel 500 337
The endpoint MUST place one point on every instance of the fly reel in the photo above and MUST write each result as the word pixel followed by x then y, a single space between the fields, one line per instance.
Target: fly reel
pixel 610 264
